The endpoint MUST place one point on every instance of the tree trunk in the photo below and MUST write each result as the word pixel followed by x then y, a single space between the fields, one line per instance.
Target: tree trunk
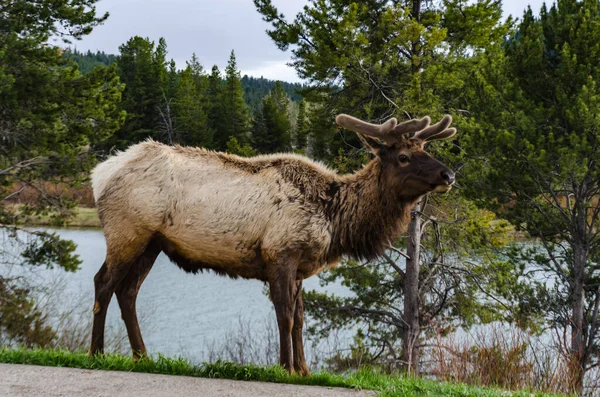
pixel 412 327
pixel 577 365
pixel 416 45
pixel 416 10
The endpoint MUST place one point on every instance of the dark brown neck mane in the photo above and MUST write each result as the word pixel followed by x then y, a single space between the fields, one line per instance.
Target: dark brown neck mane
pixel 366 215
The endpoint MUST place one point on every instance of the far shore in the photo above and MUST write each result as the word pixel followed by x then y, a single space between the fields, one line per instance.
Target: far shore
pixel 82 217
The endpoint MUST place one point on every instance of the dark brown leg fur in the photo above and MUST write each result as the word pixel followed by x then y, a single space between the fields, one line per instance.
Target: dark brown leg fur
pixel 283 292
pixel 121 254
pixel 100 307
pixel 127 292
pixel 300 365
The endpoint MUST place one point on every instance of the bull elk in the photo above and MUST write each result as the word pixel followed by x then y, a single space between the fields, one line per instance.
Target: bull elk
pixel 277 218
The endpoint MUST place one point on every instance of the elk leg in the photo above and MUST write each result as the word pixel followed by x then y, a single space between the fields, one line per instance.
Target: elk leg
pixel 105 283
pixel 100 306
pixel 283 292
pixel 127 292
pixel 300 365
pixel 121 254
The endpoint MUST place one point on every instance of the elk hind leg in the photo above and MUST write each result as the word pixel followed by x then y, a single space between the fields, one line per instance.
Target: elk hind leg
pixel 102 298
pixel 121 253
pixel 127 292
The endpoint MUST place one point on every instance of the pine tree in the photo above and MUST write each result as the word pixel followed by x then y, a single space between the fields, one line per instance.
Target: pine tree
pixel 302 130
pixel 160 63
pixel 235 112
pixel 172 79
pixel 537 105
pixel 198 73
pixel 88 61
pixel 322 130
pixel 255 89
pixel 51 114
pixel 272 129
pixel 214 106
pixel 191 119
pixel 143 69
pixel 234 147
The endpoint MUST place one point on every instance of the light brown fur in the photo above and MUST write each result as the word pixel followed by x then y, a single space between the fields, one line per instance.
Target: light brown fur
pixel 276 218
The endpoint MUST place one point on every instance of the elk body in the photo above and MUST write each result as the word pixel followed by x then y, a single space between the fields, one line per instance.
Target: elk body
pixel 276 218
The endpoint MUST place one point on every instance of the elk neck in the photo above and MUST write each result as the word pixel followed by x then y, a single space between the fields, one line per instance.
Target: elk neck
pixel 366 213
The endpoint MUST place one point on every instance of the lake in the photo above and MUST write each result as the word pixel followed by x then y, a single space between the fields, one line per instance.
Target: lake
pixel 180 314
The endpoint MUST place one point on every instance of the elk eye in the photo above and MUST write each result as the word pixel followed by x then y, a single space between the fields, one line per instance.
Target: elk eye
pixel 403 158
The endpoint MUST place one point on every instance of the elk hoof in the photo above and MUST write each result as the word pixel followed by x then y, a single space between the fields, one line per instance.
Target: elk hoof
pixel 302 370
pixel 93 352
pixel 139 356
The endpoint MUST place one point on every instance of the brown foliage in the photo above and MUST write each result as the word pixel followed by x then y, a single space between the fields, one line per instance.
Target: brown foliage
pixel 506 357
pixel 30 195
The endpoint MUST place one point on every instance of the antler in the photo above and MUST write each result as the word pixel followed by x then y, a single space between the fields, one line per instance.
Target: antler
pixel 380 131
pixel 391 131
pixel 437 131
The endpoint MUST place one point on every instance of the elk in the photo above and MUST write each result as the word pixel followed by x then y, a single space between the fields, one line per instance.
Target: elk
pixel 277 218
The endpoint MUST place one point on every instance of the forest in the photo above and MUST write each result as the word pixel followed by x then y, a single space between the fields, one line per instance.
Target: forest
pixel 510 256
pixel 178 106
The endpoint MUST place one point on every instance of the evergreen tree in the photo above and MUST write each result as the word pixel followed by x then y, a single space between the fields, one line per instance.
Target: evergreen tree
pixel 50 116
pixel 143 69
pixel 214 106
pixel 159 63
pixel 88 61
pixel 172 80
pixel 322 129
pixel 272 129
pixel 191 119
pixel 234 147
pixel 198 73
pixel 235 112
pixel 255 89
pixel 302 130
pixel 536 128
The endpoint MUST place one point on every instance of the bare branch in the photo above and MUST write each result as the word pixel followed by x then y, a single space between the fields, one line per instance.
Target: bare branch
pixel 393 264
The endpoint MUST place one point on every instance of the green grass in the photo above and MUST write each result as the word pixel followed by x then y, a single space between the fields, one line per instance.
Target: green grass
pixel 82 217
pixel 85 217
pixel 383 384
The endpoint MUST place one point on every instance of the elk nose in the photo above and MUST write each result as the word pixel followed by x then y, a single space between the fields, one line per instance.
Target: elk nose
pixel 448 176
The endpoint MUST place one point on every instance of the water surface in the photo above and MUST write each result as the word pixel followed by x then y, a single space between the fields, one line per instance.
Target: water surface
pixel 180 313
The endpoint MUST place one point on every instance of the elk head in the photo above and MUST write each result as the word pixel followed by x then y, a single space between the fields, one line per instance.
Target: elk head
pixel 400 148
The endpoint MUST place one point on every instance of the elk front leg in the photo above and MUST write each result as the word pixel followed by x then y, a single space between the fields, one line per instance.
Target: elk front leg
pixel 300 365
pixel 283 294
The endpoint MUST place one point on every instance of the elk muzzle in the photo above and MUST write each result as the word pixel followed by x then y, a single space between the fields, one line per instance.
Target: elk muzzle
pixel 448 177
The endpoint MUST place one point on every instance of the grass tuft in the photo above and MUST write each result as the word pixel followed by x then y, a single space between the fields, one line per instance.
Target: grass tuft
pixel 369 379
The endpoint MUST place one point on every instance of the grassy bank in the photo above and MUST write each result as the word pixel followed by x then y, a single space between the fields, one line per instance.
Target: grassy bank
pixel 384 385
pixel 82 217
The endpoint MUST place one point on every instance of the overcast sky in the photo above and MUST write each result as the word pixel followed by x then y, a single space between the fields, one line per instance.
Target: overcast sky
pixel 211 29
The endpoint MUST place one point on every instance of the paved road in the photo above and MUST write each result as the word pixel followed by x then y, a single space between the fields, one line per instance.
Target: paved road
pixel 34 381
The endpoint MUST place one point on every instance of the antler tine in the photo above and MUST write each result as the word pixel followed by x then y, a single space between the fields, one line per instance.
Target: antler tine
pixel 411 127
pixel 380 131
pixel 439 128
pixel 448 133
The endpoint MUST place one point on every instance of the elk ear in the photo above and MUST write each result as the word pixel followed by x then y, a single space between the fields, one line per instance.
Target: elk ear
pixel 374 145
